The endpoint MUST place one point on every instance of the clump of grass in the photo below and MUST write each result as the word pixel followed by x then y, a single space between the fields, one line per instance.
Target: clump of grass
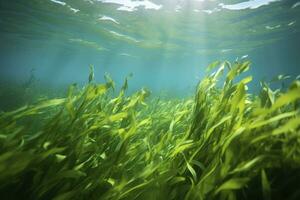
pixel 223 144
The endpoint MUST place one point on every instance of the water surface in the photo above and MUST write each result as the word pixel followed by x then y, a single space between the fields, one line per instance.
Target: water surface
pixel 165 44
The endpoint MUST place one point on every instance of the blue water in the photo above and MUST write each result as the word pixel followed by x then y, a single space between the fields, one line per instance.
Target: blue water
pixel 166 45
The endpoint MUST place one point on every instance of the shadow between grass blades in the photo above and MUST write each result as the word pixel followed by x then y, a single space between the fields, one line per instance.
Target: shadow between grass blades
pixel 222 144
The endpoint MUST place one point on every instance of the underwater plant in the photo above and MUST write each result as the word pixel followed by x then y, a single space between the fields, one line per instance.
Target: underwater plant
pixel 222 144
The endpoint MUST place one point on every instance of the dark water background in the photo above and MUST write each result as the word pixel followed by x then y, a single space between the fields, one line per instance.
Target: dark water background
pixel 165 44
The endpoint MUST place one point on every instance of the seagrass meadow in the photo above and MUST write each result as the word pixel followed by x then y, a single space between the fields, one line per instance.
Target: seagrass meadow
pixel 99 143
pixel 149 100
